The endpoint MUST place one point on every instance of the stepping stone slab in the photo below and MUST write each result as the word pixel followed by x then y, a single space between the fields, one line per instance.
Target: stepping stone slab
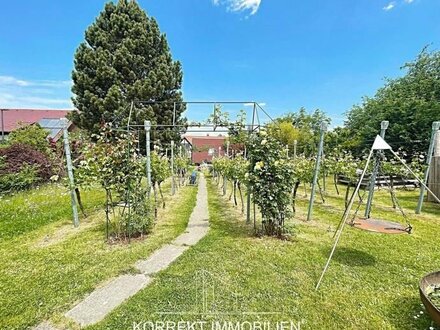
pixel 160 259
pixel 103 300
pixel 192 236
pixel 44 326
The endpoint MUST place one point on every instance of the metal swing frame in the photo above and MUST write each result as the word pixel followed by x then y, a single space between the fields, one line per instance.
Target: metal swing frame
pixel 379 144
pixel 380 225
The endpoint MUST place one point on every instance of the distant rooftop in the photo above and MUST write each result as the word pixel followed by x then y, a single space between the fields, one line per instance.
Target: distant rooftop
pixel 15 118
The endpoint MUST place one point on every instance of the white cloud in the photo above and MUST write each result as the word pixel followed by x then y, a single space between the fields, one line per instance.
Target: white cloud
pixel 240 5
pixel 11 81
pixel 390 6
pixel 409 1
pixel 45 94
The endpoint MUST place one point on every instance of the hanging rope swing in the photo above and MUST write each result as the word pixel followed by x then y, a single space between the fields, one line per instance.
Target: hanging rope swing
pixel 380 225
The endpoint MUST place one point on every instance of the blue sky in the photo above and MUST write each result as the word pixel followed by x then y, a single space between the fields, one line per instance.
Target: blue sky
pixel 286 54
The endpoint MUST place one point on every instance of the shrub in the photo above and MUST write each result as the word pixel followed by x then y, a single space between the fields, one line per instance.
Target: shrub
pixel 24 179
pixel 114 163
pixel 272 177
pixel 33 136
pixel 18 156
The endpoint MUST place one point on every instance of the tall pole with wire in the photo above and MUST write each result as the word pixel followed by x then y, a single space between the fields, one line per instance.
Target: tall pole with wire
pixel 323 129
pixel 383 127
pixel 434 132
pixel 249 188
pixel 70 176
pixel 147 124
pixel 173 188
pixel 344 219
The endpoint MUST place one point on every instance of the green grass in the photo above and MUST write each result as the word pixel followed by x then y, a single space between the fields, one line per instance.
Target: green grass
pixel 50 266
pixel 27 210
pixel 372 282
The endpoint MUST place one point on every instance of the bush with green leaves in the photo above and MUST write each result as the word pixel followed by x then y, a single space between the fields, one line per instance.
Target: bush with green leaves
pixel 303 168
pixel 25 178
pixel 22 167
pixel 32 135
pixel 160 171
pixel 235 170
pixel 115 164
pixel 272 178
pixel 181 166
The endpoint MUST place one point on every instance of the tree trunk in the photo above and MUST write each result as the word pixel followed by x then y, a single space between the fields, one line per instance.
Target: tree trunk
pixel 320 192
pixel 224 185
pixel 161 195
pixel 347 192
pixel 155 201
pixel 107 210
pixel 241 196
pixel 335 181
pixel 78 198
pixel 295 191
pixel 235 192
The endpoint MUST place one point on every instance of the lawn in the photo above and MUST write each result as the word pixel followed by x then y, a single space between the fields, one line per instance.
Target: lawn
pixel 47 265
pixel 25 211
pixel 372 282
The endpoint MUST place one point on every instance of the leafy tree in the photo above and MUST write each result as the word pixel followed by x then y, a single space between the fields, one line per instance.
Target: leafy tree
pixel 410 103
pixel 339 138
pixel 31 135
pixel 285 133
pixel 306 127
pixel 218 118
pixel 125 57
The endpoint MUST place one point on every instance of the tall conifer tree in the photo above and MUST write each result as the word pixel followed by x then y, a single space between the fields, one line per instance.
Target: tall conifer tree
pixel 125 58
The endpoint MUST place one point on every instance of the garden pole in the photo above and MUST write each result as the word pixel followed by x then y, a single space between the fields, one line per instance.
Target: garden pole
pixel 295 143
pixel 173 188
pixel 249 188
pixel 147 125
pixel 70 175
pixel 3 125
pixel 324 173
pixel 344 219
pixel 383 127
pixel 437 198
pixel 434 132
pixel 317 165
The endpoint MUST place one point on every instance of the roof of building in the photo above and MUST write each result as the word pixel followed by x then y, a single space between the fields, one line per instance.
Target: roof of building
pixel 14 118
pixel 54 126
pixel 203 139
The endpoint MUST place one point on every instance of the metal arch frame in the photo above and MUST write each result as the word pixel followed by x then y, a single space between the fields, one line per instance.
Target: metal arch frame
pixel 252 127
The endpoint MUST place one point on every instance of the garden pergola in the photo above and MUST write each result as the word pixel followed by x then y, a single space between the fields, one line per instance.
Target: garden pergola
pixel 147 127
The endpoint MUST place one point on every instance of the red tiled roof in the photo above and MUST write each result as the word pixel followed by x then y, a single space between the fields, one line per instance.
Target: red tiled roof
pixel 202 138
pixel 13 117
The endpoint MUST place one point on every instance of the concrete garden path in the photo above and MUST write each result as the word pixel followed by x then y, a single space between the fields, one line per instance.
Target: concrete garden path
pixel 109 296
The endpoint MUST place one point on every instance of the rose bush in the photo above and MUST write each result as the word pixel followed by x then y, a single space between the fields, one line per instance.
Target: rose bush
pixel 272 177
